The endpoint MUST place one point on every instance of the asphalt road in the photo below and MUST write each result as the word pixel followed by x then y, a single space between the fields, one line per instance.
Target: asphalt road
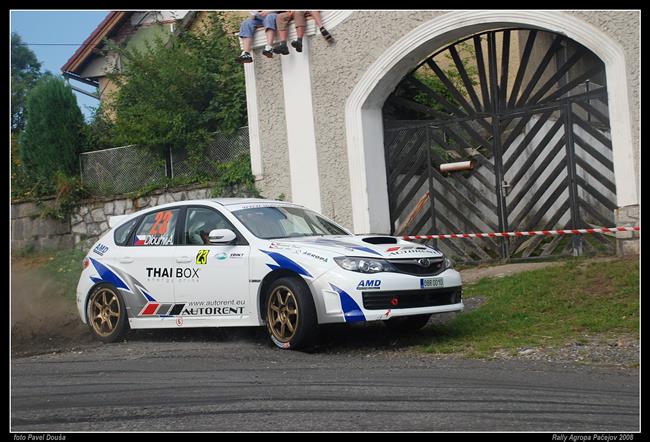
pixel 216 380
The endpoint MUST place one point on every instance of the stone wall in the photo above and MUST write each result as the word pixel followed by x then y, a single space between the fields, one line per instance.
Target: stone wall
pixel 88 221
pixel 30 231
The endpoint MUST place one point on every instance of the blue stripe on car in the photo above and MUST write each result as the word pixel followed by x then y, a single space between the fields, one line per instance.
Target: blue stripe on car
pixel 351 310
pixel 107 275
pixel 286 263
pixel 148 296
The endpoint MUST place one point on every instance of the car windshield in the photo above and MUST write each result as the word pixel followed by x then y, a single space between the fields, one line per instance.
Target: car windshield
pixel 285 222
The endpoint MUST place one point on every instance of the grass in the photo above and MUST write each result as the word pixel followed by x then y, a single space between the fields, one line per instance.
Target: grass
pixel 545 307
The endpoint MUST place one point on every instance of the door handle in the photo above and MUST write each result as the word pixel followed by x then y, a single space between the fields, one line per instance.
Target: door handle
pixel 183 259
pixel 126 260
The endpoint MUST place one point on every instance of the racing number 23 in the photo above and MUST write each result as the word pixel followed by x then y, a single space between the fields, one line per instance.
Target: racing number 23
pixel 161 222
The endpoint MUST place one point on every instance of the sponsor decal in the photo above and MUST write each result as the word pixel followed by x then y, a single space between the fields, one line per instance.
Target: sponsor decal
pixel 218 307
pixel 220 256
pixel 280 344
pixel 315 256
pixel 214 311
pixel 369 284
pixel 172 272
pixel 282 246
pixel 202 257
pixel 387 314
pixel 153 240
pixel 406 251
pixel 215 307
pixel 392 249
pixel 100 249
pixel 235 255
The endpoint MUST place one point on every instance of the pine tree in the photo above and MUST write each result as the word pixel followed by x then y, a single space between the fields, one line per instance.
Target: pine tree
pixel 53 134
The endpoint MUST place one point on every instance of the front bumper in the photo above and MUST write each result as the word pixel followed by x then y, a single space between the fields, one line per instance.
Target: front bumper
pixel 344 296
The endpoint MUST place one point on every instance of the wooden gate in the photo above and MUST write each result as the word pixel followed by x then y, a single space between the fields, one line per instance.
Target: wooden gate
pixel 529 109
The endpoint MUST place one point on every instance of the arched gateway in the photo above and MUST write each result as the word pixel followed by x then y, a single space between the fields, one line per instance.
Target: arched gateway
pixel 527 104
pixel 528 109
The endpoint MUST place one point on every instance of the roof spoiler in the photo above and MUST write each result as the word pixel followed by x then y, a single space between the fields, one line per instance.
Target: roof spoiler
pixel 114 221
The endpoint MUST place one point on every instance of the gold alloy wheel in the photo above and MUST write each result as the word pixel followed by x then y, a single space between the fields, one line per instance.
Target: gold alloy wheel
pixel 104 312
pixel 282 310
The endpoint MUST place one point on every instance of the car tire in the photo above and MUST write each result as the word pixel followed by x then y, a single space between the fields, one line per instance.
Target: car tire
pixel 291 320
pixel 106 312
pixel 407 323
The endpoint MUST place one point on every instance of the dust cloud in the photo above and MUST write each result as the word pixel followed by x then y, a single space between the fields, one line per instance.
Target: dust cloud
pixel 42 318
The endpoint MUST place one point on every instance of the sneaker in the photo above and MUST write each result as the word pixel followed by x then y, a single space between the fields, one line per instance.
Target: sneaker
pixel 297 44
pixel 268 52
pixel 281 49
pixel 245 58
pixel 326 34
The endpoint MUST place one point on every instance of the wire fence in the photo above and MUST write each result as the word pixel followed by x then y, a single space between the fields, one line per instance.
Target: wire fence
pixel 129 168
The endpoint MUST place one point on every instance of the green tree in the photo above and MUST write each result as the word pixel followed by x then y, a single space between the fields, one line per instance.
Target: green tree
pixel 175 94
pixel 53 134
pixel 25 71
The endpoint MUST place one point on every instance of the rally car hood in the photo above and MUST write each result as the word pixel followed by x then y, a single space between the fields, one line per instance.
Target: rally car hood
pixel 371 246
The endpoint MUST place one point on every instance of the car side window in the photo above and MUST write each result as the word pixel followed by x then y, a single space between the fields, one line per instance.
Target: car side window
pixel 199 221
pixel 157 229
pixel 123 232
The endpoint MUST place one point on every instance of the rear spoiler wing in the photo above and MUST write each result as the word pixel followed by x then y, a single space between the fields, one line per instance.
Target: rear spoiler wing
pixel 114 221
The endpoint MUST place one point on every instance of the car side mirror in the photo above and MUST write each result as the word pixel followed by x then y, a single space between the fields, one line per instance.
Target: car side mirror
pixel 218 236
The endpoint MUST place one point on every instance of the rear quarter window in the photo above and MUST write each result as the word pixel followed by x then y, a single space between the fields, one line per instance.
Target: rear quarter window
pixel 122 233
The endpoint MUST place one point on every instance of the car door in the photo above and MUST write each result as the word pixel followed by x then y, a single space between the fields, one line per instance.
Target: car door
pixel 146 263
pixel 212 279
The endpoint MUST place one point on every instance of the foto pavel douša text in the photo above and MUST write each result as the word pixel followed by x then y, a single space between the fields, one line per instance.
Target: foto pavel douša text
pixel 39 437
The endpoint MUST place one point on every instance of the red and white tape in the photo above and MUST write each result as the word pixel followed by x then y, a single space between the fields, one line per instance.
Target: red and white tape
pixel 529 233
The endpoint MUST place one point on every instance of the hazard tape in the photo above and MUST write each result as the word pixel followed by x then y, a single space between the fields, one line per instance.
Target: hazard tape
pixel 529 233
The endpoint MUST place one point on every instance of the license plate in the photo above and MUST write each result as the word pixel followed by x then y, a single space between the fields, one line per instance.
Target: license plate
pixel 429 283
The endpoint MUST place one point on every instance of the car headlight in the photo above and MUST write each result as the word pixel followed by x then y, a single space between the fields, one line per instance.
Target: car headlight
pixel 363 265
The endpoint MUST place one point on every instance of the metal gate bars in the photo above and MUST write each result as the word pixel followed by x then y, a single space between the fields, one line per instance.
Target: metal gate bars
pixel 537 132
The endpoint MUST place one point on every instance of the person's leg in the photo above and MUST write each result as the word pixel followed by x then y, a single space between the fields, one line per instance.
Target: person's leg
pixel 246 34
pixel 317 19
pixel 247 44
pixel 321 28
pixel 282 21
pixel 301 23
pixel 269 30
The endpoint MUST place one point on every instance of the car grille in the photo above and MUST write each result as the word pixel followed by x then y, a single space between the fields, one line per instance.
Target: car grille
pixel 411 298
pixel 411 266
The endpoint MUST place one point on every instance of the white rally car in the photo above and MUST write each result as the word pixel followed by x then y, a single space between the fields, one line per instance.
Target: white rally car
pixel 251 262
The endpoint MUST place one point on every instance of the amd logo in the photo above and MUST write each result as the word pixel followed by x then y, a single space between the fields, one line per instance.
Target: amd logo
pixel 369 284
